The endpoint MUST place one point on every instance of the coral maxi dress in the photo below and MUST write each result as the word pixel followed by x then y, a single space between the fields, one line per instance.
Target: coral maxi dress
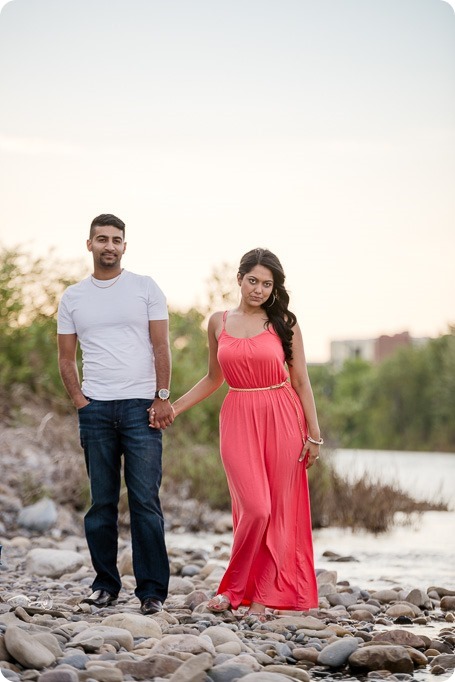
pixel 261 440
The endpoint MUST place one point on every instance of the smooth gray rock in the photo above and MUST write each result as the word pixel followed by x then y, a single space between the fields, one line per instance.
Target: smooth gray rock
pixel 195 598
pixel 265 676
pixel 419 598
pixel 27 650
pixel 136 623
pixel 362 614
pixel 447 661
pixel 220 635
pixel 448 603
pixel 123 637
pixel 179 585
pixel 191 644
pixel 39 516
pixel 228 672
pixel 337 653
pixel 51 642
pixel 385 596
pixel 286 670
pixel 52 563
pixel 77 660
pixel 342 598
pixel 193 669
pixel 59 676
pixel 150 667
pixel 401 637
pixel 376 657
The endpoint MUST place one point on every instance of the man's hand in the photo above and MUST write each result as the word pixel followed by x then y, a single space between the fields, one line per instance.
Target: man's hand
pixel 81 402
pixel 161 414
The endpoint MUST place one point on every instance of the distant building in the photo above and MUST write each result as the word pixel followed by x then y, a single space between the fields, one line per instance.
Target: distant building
pixel 340 351
pixel 386 345
pixel 371 350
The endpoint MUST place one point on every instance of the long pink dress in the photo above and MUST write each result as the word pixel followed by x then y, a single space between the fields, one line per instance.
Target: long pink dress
pixel 261 440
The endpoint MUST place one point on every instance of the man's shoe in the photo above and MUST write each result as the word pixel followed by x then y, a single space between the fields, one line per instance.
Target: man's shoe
pixel 100 598
pixel 150 605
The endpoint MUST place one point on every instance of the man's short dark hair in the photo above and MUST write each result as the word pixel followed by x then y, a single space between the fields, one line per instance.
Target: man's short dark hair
pixel 107 219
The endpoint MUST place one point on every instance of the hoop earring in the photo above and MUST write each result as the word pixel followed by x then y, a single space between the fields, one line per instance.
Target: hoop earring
pixel 271 304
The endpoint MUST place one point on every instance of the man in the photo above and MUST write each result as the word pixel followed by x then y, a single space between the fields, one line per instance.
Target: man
pixel 120 320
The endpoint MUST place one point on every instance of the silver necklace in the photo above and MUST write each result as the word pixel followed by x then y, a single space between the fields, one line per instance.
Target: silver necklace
pixel 109 285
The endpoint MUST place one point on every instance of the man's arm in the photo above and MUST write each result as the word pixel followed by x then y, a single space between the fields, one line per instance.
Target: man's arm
pixel 159 336
pixel 67 347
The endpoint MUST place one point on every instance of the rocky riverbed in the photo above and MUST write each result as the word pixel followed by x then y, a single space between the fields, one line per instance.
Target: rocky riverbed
pixel 47 635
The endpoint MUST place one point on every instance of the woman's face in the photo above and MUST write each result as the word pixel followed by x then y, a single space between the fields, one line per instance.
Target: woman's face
pixel 256 286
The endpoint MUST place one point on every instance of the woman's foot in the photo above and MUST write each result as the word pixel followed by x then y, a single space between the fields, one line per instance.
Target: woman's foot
pixel 261 616
pixel 219 604
pixel 258 611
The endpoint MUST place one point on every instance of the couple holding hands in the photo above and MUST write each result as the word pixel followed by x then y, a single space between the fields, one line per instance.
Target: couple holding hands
pixel 269 433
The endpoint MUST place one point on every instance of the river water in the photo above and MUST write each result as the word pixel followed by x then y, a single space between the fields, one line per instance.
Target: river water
pixel 425 475
pixel 416 552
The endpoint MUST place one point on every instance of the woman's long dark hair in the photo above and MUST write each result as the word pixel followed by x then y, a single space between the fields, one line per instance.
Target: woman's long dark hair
pixel 276 306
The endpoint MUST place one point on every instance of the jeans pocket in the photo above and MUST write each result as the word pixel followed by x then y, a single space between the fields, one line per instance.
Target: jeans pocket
pixel 84 407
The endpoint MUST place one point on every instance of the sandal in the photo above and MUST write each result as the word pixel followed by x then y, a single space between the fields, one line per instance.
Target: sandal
pixel 219 604
pixel 261 616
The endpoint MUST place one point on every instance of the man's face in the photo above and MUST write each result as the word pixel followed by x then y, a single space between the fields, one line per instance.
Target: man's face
pixel 107 246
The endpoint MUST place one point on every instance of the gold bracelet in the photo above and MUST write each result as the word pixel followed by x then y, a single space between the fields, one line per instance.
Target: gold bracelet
pixel 316 442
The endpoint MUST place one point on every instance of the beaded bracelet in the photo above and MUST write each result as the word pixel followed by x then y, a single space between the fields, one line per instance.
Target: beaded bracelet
pixel 316 442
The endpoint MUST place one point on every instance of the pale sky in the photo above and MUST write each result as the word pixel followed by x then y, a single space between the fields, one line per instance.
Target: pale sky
pixel 323 130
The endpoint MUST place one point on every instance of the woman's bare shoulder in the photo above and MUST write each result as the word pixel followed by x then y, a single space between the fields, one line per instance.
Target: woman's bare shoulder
pixel 216 322
pixel 218 315
pixel 216 318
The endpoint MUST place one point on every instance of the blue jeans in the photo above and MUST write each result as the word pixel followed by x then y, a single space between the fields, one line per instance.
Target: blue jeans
pixel 108 430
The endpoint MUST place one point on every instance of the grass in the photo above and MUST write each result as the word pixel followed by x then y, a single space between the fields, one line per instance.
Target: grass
pixel 363 504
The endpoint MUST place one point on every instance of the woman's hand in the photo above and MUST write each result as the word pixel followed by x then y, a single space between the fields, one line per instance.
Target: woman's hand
pixel 309 454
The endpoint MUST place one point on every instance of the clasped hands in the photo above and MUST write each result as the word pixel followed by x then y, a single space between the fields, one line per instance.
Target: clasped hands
pixel 161 414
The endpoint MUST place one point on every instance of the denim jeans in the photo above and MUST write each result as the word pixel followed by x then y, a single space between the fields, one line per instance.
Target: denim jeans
pixel 108 430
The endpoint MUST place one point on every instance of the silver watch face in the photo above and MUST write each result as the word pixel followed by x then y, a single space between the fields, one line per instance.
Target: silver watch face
pixel 163 394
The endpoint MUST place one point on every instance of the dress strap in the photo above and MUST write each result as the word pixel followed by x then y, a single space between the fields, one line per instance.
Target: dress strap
pixel 224 318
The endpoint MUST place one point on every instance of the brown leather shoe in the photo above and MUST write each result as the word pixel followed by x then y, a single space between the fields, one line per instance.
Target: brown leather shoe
pixel 150 605
pixel 100 598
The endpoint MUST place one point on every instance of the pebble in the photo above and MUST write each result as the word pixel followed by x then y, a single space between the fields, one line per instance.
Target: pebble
pixel 351 635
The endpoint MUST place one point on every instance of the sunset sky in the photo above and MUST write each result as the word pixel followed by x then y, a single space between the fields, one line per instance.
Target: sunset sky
pixel 321 129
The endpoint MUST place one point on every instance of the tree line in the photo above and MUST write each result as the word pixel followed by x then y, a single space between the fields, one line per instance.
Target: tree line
pixel 405 403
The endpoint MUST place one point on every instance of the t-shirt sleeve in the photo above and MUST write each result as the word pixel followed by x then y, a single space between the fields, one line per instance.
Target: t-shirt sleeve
pixel 65 324
pixel 156 303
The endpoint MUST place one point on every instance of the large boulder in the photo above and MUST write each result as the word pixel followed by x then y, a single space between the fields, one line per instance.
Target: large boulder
pixel 52 563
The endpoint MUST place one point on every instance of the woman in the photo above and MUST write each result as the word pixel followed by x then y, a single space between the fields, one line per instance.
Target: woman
pixel 269 437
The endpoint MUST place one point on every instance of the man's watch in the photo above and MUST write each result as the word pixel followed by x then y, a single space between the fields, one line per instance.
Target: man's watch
pixel 163 394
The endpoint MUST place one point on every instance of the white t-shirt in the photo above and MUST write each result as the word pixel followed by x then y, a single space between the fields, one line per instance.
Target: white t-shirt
pixel 112 326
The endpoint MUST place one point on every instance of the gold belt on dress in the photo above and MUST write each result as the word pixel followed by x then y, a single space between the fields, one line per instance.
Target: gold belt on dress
pixel 269 388
pixel 260 388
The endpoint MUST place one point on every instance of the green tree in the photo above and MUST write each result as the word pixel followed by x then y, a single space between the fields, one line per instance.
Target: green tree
pixel 30 289
pixel 192 459
pixel 410 404
pixel 188 337
pixel 348 415
pixel 323 382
